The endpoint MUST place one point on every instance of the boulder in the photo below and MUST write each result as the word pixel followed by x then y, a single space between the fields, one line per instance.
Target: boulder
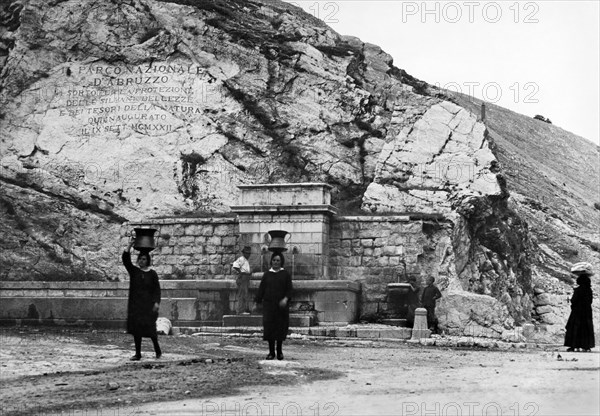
pixel 466 313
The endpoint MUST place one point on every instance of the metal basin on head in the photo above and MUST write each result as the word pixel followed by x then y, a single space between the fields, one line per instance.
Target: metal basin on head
pixel 277 243
pixel 144 239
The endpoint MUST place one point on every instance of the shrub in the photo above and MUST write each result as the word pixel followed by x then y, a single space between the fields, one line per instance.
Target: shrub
pixel 542 118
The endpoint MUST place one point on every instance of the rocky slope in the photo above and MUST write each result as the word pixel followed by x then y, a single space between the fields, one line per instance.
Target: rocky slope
pixel 122 110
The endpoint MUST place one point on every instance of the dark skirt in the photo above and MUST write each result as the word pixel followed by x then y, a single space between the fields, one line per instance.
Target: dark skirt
pixel 141 320
pixel 276 321
pixel 580 331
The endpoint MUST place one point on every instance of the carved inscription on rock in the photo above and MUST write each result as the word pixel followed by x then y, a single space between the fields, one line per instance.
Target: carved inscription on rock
pixel 151 99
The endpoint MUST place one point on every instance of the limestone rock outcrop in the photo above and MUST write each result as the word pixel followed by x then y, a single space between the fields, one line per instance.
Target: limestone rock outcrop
pixel 115 111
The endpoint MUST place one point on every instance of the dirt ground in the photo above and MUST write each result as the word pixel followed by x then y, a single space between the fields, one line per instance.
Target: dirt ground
pixel 69 372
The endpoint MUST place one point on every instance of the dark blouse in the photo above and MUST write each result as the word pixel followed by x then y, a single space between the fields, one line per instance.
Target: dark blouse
pixel 274 286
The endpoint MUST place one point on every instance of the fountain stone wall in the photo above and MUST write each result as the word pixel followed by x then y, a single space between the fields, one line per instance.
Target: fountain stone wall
pixel 304 210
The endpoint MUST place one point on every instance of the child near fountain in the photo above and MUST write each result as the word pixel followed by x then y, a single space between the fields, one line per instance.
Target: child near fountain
pixel 241 268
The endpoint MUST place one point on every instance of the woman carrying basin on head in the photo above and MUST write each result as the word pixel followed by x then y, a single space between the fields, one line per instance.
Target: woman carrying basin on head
pixel 580 327
pixel 274 293
pixel 143 302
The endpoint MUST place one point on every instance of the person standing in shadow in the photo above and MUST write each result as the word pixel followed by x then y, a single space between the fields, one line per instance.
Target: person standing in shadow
pixel 143 302
pixel 429 296
pixel 413 298
pixel 241 268
pixel 580 326
pixel 274 293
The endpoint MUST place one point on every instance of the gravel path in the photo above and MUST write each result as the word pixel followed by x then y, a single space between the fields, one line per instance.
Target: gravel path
pixel 228 376
pixel 399 379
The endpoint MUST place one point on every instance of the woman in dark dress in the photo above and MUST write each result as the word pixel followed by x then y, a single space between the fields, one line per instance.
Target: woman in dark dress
pixel 143 302
pixel 580 327
pixel 274 293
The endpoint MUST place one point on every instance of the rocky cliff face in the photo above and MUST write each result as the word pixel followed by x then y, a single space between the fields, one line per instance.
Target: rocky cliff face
pixel 116 111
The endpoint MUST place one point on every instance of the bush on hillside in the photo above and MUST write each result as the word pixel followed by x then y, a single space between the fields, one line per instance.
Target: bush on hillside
pixel 542 118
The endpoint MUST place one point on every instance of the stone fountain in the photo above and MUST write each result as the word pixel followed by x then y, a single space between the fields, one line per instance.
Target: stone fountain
pixel 294 219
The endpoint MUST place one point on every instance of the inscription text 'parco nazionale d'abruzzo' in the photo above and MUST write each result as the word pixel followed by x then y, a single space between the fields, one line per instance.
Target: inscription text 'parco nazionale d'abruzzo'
pixel 152 99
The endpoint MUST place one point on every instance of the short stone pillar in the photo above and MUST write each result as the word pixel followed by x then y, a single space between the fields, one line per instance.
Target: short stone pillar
pixel 420 326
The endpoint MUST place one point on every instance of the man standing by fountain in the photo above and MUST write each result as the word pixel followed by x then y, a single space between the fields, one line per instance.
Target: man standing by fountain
pixel 428 297
pixel 241 268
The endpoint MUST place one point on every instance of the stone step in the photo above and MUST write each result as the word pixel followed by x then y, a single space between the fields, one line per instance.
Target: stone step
pixel 395 322
pixel 253 320
pixel 377 331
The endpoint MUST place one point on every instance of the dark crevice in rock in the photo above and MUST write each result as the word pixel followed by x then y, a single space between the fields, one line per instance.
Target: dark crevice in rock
pixel 340 49
pixel 419 87
pixel 232 137
pixel 439 153
pixel 368 128
pixel 189 167
pixel 256 109
pixel 23 182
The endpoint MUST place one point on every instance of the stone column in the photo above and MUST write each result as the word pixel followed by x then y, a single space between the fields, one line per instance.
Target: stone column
pixel 420 326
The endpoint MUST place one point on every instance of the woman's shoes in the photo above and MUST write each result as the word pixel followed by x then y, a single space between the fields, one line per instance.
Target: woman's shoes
pixel 158 355
pixel 135 358
pixel 280 356
pixel 270 356
pixel 587 350
pixel 570 349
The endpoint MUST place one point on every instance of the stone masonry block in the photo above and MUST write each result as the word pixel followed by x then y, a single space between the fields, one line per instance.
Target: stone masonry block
pixel 228 259
pixel 379 242
pixel 394 260
pixel 185 260
pixel 223 230
pixel 166 250
pixel 357 251
pixel 187 250
pixel 170 260
pixel 214 241
pixel 186 240
pixel 389 250
pixel 229 241
pixel 348 234
pixel 201 259
pixel 413 227
pixel 367 242
pixel 190 270
pixel 200 240
pixel 370 261
pixel 367 233
pixel 191 229
pixel 383 261
pixel 215 258
pixel 353 261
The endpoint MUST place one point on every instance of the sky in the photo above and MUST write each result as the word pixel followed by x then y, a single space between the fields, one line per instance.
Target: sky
pixel 532 57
